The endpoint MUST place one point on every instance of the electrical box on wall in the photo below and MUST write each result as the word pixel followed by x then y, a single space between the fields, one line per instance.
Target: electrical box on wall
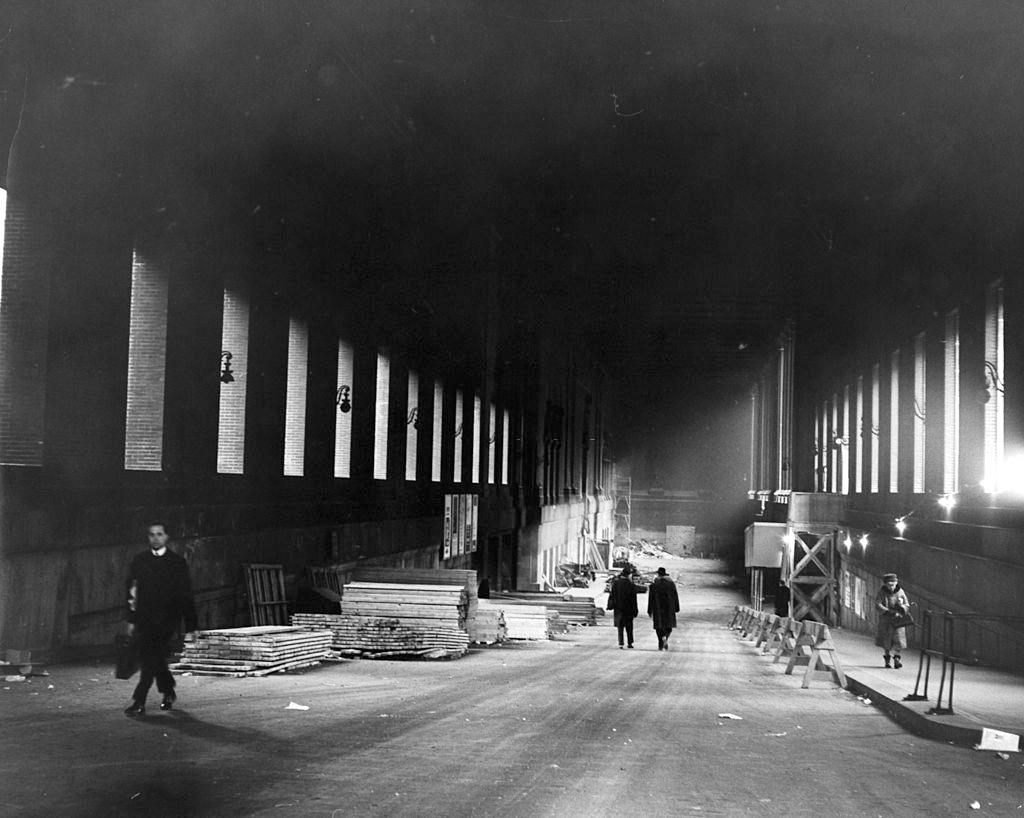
pixel 764 545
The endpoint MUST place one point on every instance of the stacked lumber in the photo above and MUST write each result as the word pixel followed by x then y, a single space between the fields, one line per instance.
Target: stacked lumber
pixel 379 638
pixel 466 578
pixel 392 619
pixel 254 651
pixel 573 612
pixel 487 625
pixel 413 604
pixel 521 621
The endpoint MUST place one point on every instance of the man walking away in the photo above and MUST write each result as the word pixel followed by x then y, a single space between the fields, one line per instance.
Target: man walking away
pixel 159 597
pixel 622 600
pixel 662 605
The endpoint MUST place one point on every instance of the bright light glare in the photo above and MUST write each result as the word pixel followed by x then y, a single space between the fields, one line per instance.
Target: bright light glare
pixel 1009 480
pixel 947 501
pixel 901 526
pixel 863 540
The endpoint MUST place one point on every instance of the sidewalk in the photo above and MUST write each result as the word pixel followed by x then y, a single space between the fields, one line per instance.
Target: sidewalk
pixel 981 697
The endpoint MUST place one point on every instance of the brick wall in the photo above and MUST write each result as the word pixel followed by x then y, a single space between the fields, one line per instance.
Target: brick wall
pixel 147 360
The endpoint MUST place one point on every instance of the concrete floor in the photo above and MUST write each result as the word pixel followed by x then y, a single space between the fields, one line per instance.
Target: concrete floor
pixel 569 727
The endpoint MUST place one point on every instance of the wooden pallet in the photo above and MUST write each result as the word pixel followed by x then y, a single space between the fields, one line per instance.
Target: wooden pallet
pixel 265 587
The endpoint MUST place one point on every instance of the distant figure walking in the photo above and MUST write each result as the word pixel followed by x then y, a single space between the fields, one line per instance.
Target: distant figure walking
pixel 662 605
pixel 890 599
pixel 622 600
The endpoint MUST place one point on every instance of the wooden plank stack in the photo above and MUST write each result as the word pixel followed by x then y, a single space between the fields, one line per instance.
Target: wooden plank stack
pixel 255 651
pixel 572 612
pixel 521 621
pixel 487 625
pixel 396 619
pixel 426 605
pixel 379 638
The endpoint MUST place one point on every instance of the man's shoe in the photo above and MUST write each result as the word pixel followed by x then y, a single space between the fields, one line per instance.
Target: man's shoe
pixel 168 701
pixel 896 663
pixel 135 709
pixel 630 646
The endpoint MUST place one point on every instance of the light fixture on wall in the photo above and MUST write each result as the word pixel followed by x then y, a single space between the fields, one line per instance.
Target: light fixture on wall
pixel 343 399
pixel 414 418
pixel 226 375
pixel 993 383
pixel 458 431
pixel 901 525
pixel 839 441
pixel 947 501
pixel 847 542
pixel 863 541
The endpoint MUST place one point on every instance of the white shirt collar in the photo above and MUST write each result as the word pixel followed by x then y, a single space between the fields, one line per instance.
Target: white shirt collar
pixel 160 552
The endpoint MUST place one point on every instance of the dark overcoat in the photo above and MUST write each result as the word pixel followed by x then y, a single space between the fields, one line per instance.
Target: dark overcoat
pixel 622 600
pixel 662 603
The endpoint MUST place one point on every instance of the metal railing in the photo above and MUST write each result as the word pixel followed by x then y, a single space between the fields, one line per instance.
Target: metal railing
pixel 952 651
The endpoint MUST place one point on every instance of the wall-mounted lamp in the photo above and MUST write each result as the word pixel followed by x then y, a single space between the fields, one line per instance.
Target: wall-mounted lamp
pixel 226 375
pixel 414 418
pixel 992 382
pixel 947 501
pixel 863 541
pixel 839 441
pixel 847 542
pixel 458 431
pixel 901 525
pixel 919 411
pixel 343 399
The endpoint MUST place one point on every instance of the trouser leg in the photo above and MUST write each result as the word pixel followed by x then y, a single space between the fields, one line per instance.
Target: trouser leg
pixel 628 625
pixel 153 646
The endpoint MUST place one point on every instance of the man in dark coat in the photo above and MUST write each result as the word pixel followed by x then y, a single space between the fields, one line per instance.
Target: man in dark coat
pixel 159 597
pixel 622 600
pixel 662 605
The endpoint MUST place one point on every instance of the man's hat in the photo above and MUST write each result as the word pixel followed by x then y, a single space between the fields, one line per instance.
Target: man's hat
pixel 887 577
pixel 661 572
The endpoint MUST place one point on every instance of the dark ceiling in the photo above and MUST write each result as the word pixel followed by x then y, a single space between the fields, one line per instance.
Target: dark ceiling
pixel 677 178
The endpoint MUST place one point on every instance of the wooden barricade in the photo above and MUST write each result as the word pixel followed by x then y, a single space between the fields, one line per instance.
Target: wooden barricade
pixel 815 636
pixel 265 588
pixel 773 637
pixel 767 623
pixel 788 638
pixel 800 642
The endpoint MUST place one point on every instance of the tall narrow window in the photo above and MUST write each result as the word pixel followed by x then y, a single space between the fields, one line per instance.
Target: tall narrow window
pixel 894 422
pixel 412 422
pixel 295 399
pixel 951 417
pixel 234 355
pixel 835 447
pixel 920 409
pixel 492 444
pixel 3 225
pixel 505 451
pixel 380 422
pixel 343 413
pixel 477 418
pixel 823 448
pixel 24 332
pixel 457 459
pixel 994 373
pixel 874 430
pixel 435 454
pixel 847 435
pixel 859 434
pixel 147 359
